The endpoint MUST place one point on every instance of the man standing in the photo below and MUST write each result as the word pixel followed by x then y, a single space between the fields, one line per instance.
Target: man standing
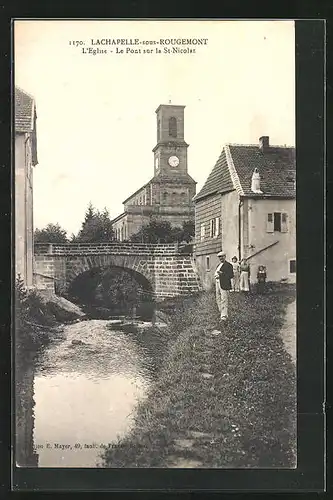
pixel 223 276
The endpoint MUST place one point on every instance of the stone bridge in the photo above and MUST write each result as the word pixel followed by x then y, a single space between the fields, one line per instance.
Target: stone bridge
pixel 168 271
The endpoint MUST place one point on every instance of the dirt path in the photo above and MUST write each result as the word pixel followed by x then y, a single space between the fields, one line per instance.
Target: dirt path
pixel 288 331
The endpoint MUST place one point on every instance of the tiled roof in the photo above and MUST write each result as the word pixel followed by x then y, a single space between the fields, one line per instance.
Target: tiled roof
pixel 276 166
pixel 24 111
pixel 219 179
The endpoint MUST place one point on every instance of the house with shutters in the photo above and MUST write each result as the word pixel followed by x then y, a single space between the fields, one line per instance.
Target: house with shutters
pixel 24 160
pixel 247 207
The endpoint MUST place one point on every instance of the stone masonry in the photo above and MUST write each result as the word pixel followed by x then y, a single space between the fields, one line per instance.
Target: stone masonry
pixel 169 272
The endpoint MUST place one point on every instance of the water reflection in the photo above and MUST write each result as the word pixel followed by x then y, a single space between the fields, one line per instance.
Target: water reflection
pixel 86 394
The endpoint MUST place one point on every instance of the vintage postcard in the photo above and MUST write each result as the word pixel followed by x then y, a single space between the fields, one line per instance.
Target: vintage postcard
pixel 155 244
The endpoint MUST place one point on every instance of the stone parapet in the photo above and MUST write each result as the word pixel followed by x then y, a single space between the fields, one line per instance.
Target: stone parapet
pixel 115 248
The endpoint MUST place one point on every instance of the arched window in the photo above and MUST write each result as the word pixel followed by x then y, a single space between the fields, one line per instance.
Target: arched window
pixel 183 197
pixel 165 196
pixel 172 127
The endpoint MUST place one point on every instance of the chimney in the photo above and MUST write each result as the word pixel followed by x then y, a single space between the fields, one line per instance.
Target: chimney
pixel 263 143
pixel 255 184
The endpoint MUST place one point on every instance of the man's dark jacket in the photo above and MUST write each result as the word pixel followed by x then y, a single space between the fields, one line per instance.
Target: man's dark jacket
pixel 226 273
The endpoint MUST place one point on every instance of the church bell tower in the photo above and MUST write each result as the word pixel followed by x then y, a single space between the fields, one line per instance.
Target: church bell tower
pixel 170 152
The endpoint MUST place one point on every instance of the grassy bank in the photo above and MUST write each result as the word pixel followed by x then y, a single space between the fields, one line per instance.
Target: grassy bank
pixel 224 400
pixel 35 324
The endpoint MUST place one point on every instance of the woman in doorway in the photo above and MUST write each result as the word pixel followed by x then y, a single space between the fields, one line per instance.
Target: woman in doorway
pixel 244 276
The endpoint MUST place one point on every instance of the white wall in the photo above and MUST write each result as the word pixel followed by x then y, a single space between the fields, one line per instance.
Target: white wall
pixel 276 258
pixel 229 211
pixel 20 213
pixel 23 209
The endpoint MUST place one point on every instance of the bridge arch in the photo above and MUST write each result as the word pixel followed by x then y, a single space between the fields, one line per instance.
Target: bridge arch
pixel 94 274
pixel 112 290
pixel 80 264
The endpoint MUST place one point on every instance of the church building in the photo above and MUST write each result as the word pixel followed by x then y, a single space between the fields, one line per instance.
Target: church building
pixel 167 196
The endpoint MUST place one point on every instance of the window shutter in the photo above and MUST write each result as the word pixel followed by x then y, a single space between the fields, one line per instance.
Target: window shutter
pixel 217 226
pixel 212 228
pixel 270 223
pixel 202 231
pixel 284 223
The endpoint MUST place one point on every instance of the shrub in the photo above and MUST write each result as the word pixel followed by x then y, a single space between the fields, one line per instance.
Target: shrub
pixel 32 319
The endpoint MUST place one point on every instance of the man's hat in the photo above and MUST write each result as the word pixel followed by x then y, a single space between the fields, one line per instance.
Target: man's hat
pixel 220 254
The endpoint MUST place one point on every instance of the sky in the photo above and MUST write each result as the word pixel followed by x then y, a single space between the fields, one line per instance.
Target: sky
pixel 96 121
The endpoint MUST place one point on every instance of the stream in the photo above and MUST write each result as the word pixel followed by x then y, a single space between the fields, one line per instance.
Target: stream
pixel 86 394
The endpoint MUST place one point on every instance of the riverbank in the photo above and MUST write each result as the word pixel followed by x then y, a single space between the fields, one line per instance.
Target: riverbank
pixel 40 319
pixel 35 326
pixel 219 399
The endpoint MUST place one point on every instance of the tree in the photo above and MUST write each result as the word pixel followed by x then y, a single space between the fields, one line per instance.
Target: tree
pixel 154 232
pixel 73 238
pixel 52 233
pixel 118 290
pixel 96 227
pixel 90 213
pixel 187 232
pixel 163 232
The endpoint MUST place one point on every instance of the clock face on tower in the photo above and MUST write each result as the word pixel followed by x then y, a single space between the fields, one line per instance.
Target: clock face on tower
pixel 173 161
